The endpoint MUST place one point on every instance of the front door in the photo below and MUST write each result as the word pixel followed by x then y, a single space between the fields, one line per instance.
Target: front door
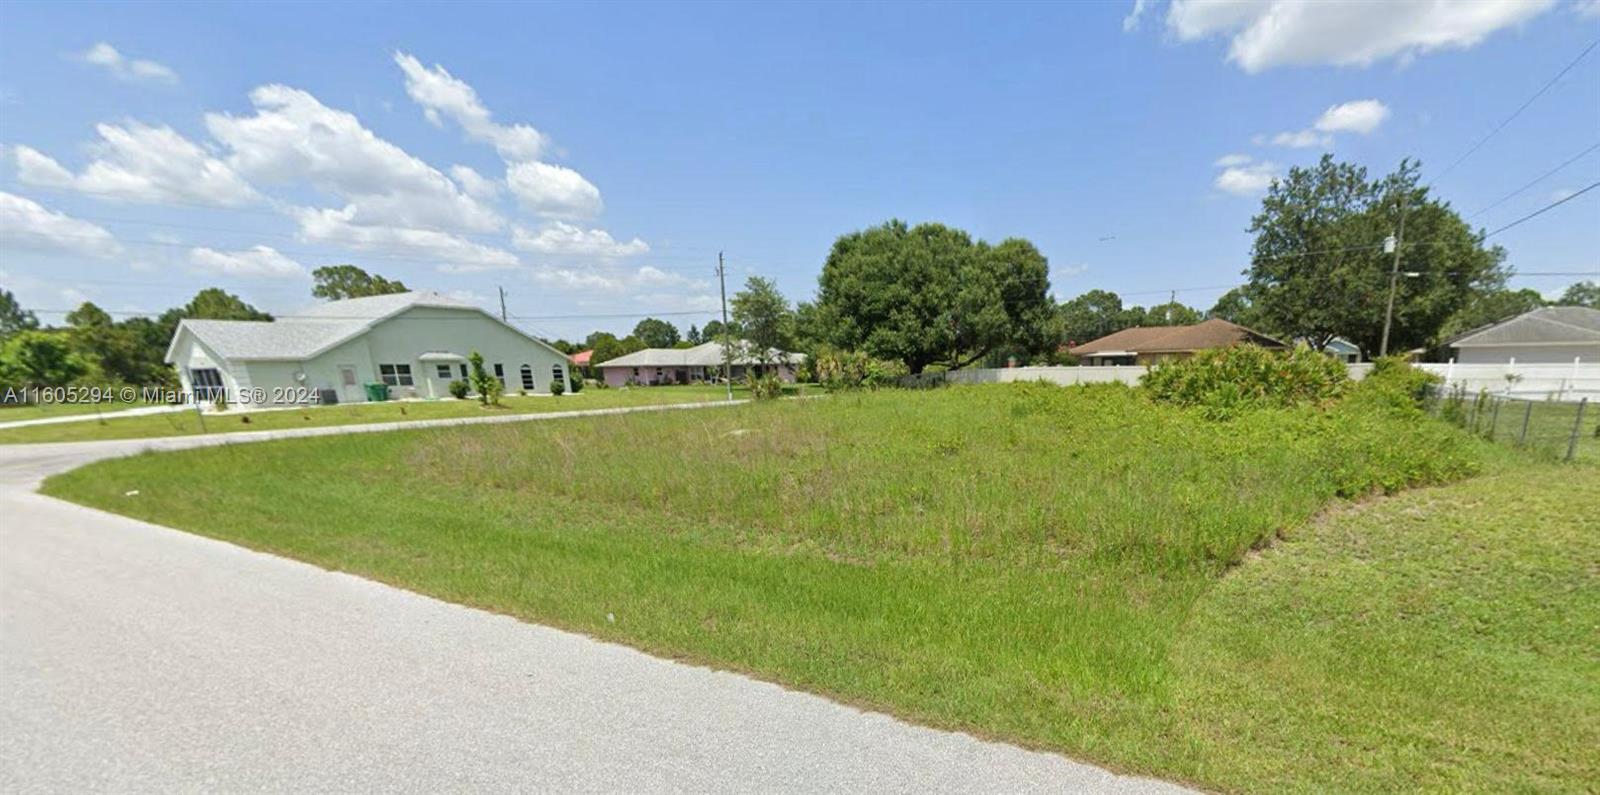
pixel 349 390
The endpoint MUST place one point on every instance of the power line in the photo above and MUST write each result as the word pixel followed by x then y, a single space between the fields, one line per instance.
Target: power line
pixel 1542 177
pixel 1544 209
pixel 1518 111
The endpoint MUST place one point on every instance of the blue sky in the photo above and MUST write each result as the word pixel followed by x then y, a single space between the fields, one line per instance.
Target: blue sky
pixel 149 150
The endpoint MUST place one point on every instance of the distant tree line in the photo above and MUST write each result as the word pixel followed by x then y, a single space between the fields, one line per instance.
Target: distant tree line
pixel 931 296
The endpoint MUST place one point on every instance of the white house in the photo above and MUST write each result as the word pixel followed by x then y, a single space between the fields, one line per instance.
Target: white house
pixel 1550 335
pixel 702 362
pixel 416 343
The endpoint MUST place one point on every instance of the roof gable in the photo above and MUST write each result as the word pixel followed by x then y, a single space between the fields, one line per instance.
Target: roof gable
pixel 1213 333
pixel 318 329
pixel 1550 325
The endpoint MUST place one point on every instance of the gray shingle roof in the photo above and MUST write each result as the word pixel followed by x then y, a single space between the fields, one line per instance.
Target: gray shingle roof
pixel 309 331
pixel 282 339
pixel 706 354
pixel 1549 325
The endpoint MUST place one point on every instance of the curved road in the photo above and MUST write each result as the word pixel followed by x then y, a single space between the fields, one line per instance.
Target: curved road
pixel 138 658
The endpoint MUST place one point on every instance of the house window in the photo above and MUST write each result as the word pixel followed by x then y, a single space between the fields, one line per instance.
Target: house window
pixel 635 372
pixel 500 373
pixel 558 375
pixel 527 378
pixel 444 371
pixel 464 375
pixel 395 374
pixel 206 384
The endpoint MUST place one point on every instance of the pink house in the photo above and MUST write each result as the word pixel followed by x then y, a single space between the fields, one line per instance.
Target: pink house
pixel 655 366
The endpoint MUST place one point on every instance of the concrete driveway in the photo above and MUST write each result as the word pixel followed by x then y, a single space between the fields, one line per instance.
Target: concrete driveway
pixel 139 658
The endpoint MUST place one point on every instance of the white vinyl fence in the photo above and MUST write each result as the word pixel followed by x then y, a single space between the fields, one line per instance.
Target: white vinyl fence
pixel 1564 382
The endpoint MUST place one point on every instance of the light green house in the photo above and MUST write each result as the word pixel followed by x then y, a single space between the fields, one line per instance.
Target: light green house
pixel 416 343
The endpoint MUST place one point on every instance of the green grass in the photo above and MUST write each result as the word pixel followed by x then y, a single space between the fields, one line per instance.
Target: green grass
pixel 1048 566
pixel 186 423
pixel 39 411
pixel 1542 427
pixel 1440 640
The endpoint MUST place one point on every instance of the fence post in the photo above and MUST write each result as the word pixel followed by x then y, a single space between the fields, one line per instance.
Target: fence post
pixel 1577 428
pixel 1494 420
pixel 1527 415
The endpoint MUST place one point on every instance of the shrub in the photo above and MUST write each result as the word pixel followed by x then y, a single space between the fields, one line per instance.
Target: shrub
pixel 836 369
pixel 488 387
pixel 1394 381
pixel 459 390
pixel 764 387
pixel 1226 381
pixel 577 382
pixel 557 386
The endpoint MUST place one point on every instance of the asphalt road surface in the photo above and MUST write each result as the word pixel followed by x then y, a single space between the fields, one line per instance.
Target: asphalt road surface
pixel 138 658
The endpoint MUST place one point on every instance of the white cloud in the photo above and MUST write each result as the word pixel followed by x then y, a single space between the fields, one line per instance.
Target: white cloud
pixel 133 70
pixel 1264 34
pixel 139 163
pixel 644 282
pixel 293 138
pixel 1587 9
pixel 476 185
pixel 564 238
pixel 1231 160
pixel 1130 22
pixel 1302 139
pixel 25 223
pixel 553 191
pixel 439 92
pixel 257 262
pixel 1250 179
pixel 456 254
pixel 1361 116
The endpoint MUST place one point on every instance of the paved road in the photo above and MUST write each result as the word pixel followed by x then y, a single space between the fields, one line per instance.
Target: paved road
pixel 138 658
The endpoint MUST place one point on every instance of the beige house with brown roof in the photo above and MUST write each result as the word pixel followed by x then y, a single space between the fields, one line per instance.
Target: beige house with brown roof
pixel 1153 344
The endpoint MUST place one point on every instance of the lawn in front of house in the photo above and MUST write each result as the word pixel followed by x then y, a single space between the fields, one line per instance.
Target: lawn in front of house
pixel 1030 563
pixel 187 423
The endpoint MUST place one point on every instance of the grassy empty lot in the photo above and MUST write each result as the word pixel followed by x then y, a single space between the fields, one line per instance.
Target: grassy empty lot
pixel 186 423
pixel 1070 569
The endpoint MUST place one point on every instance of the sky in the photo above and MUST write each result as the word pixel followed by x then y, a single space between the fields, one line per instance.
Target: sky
pixel 592 160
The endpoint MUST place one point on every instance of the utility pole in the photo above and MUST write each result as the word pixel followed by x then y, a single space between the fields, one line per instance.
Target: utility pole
pixel 1394 278
pixel 727 341
pixel 502 303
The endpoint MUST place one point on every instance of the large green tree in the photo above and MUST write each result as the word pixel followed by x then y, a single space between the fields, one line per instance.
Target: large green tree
pixel 1090 316
pixel 656 333
pixel 765 317
pixel 930 294
pixel 1239 306
pixel 1172 313
pixel 337 282
pixel 606 346
pixel 1581 294
pixel 36 358
pixel 1318 269
pixel 13 318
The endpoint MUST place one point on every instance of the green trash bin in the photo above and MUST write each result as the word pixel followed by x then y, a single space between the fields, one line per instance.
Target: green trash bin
pixel 377 393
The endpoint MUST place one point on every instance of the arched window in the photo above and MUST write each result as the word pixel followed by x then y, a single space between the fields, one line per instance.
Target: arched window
pixel 527 378
pixel 558 374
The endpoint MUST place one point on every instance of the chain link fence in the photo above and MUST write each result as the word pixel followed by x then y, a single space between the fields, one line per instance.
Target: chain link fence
pixel 1568 431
